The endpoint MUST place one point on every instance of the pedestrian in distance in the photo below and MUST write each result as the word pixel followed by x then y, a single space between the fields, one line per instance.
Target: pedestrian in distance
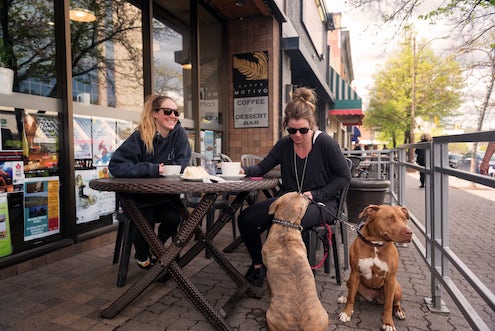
pixel 421 157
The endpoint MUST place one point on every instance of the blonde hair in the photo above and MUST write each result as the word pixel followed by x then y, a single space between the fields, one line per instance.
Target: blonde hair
pixel 302 106
pixel 425 137
pixel 147 127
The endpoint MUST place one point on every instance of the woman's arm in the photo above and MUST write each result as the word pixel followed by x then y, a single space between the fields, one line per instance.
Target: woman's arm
pixel 129 160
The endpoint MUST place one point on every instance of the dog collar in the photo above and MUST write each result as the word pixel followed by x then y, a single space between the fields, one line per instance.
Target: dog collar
pixel 363 238
pixel 288 224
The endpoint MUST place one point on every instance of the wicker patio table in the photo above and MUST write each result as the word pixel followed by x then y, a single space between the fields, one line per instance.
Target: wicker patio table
pixel 128 189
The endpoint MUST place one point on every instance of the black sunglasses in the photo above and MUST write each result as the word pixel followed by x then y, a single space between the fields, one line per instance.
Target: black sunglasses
pixel 169 111
pixel 301 130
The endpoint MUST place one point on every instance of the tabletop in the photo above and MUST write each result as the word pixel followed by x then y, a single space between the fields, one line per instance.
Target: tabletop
pixel 164 185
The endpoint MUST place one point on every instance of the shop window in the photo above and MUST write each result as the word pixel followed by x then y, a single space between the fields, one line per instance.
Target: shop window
pixel 107 56
pixel 171 63
pixel 27 45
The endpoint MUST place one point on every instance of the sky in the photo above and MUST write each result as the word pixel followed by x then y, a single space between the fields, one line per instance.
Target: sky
pixel 372 41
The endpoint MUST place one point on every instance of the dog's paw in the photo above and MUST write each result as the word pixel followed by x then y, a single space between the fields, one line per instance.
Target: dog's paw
pixel 343 317
pixel 386 327
pixel 342 299
pixel 400 314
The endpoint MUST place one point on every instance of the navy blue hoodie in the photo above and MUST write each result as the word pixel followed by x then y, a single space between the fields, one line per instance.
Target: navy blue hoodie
pixel 131 160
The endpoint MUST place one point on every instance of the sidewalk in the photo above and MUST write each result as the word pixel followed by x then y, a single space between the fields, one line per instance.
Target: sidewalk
pixel 69 294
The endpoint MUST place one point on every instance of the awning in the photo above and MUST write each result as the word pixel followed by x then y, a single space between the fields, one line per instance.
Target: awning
pixel 303 70
pixel 347 107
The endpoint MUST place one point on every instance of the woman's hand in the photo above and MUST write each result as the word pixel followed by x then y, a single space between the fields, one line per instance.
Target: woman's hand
pixel 161 169
pixel 308 194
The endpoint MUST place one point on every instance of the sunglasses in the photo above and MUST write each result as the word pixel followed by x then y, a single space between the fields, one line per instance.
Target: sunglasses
pixel 301 130
pixel 169 111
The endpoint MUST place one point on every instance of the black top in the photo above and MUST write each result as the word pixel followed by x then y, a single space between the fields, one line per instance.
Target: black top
pixel 131 160
pixel 327 171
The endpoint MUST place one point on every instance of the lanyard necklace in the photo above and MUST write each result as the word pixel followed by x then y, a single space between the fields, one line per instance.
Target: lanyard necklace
pixel 300 185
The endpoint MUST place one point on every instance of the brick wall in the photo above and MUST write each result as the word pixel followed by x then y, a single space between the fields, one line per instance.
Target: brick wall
pixel 249 35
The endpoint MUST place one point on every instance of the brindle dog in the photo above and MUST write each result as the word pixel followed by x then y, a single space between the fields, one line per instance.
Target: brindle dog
pixel 294 302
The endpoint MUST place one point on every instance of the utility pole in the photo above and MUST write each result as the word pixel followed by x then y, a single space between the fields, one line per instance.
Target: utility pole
pixel 413 100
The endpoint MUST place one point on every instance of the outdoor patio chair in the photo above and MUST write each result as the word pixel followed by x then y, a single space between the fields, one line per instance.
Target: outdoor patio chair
pixel 320 234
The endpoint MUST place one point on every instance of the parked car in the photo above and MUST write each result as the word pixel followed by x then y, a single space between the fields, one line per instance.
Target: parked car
pixel 454 160
pixel 465 163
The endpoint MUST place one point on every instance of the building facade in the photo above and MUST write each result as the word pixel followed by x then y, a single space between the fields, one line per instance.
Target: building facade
pixel 81 71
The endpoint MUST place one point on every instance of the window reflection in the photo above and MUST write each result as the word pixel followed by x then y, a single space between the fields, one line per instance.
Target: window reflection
pixel 168 54
pixel 28 45
pixel 210 49
pixel 107 56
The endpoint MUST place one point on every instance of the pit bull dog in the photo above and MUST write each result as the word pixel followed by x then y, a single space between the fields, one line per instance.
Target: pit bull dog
pixel 294 302
pixel 374 261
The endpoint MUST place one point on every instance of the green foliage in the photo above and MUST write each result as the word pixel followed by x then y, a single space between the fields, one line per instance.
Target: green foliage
pixel 438 90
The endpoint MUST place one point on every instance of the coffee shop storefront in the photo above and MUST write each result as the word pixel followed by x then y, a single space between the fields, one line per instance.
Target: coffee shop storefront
pixel 80 72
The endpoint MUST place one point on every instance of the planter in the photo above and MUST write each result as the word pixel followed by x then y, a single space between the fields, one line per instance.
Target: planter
pixel 363 192
pixel 6 80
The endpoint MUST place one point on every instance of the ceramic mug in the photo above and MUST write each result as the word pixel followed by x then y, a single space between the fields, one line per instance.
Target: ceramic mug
pixel 231 168
pixel 84 98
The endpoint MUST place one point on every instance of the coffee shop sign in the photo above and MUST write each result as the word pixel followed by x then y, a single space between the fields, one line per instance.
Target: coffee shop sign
pixel 250 71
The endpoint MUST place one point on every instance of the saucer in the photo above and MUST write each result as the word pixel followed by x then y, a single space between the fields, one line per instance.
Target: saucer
pixel 232 177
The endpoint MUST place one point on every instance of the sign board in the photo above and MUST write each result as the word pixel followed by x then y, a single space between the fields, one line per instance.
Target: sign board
pixel 250 72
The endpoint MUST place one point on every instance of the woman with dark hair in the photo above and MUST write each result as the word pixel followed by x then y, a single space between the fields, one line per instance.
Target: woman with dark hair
pixel 311 162
pixel 158 140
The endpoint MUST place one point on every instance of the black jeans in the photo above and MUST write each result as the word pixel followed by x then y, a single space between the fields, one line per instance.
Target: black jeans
pixel 254 220
pixel 162 211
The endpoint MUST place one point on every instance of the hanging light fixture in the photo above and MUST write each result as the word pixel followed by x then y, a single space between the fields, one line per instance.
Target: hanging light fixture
pixel 187 65
pixel 81 15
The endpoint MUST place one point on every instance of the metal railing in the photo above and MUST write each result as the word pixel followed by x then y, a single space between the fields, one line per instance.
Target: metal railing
pixel 432 239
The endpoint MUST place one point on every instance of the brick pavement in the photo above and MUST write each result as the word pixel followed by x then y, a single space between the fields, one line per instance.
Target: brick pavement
pixel 69 294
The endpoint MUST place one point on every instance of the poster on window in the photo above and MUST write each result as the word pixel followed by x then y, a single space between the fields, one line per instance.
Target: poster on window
pixel 86 197
pixel 41 207
pixel 82 138
pixel 5 242
pixel 41 134
pixel 104 140
pixel 250 72
pixel 11 171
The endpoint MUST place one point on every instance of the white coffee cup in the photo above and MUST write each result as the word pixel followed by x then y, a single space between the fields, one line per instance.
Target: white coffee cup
pixel 84 98
pixel 172 169
pixel 231 168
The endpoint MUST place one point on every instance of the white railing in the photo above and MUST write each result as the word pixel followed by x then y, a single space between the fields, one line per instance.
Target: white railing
pixel 448 271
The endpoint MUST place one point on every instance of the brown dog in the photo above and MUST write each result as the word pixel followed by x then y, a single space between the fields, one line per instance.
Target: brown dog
pixel 294 302
pixel 374 262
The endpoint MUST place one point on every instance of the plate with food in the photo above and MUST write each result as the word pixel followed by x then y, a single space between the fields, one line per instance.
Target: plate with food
pixel 194 174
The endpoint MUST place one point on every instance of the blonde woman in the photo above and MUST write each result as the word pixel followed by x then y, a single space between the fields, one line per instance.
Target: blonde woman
pixel 158 140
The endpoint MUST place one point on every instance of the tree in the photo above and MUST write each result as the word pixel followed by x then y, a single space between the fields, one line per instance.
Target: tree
pixel 464 14
pixel 102 50
pixel 437 90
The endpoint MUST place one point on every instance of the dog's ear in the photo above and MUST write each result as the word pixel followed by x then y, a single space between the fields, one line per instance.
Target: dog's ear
pixel 370 210
pixel 273 207
pixel 405 211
